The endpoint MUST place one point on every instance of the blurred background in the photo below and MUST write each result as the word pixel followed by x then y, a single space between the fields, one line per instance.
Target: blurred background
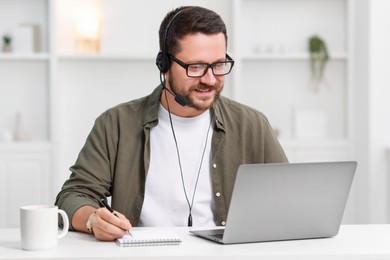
pixel 316 68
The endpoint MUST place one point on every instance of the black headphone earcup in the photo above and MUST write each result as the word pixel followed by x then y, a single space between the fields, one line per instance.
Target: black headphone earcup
pixel 159 61
pixel 162 62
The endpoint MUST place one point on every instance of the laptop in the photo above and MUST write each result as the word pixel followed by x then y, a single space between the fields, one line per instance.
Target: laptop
pixel 285 201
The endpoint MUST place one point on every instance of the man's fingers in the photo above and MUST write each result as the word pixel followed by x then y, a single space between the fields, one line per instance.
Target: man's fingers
pixel 108 227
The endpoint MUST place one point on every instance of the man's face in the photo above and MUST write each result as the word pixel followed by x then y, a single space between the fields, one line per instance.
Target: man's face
pixel 198 48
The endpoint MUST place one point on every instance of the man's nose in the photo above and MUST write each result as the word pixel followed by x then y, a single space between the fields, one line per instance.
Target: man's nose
pixel 208 78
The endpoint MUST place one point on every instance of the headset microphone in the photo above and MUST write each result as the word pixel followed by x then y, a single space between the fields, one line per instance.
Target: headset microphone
pixel 179 99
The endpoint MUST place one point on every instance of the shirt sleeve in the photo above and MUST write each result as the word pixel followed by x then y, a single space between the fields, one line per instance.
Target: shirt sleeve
pixel 91 177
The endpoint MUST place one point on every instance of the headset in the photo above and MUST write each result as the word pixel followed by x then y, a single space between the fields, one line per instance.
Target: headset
pixel 162 60
pixel 163 64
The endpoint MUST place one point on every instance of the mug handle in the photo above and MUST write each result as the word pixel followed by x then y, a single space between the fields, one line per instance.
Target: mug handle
pixel 65 221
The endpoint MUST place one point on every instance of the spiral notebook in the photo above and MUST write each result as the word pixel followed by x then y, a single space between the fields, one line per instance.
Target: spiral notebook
pixel 149 237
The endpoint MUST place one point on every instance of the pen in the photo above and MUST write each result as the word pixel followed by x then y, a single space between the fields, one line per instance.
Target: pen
pixel 103 201
pixel 105 204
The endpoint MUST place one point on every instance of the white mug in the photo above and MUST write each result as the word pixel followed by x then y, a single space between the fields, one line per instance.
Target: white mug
pixel 39 226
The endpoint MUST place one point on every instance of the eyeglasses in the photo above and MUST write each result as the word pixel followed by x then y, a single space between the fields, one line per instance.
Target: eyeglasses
pixel 198 70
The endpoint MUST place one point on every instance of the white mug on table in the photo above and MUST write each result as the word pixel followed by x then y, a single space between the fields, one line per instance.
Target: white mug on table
pixel 39 226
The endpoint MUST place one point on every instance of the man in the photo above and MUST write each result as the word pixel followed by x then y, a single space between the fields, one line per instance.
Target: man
pixel 170 158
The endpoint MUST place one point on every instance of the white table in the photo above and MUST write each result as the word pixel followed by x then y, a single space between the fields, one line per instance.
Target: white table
pixel 352 242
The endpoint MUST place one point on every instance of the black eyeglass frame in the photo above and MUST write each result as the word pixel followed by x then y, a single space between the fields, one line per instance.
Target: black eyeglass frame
pixel 208 66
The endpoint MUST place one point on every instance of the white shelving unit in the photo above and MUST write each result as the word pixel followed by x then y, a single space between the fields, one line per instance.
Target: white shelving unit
pixel 24 178
pixel 271 39
pixel 26 164
pixel 60 92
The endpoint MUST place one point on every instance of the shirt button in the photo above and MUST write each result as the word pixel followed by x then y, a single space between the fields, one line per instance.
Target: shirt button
pixel 223 223
pixel 214 165
pixel 218 194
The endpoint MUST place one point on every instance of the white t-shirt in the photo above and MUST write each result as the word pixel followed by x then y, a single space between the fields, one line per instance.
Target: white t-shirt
pixel 165 203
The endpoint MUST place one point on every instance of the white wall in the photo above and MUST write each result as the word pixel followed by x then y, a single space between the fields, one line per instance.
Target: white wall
pixel 361 108
pixel 379 109
pixel 372 110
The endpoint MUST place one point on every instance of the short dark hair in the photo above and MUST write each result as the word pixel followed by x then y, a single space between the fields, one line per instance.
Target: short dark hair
pixel 192 19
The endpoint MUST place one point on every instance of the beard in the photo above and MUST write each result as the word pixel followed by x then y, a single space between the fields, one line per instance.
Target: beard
pixel 202 103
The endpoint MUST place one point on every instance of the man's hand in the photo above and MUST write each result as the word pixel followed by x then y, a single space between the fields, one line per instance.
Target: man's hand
pixel 105 225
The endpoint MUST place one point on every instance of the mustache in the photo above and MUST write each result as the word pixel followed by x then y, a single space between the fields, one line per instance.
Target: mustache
pixel 203 86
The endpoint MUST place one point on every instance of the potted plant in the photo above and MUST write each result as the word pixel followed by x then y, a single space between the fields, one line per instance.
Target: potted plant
pixel 7 43
pixel 319 57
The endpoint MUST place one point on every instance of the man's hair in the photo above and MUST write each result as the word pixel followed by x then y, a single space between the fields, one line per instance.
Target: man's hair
pixel 191 20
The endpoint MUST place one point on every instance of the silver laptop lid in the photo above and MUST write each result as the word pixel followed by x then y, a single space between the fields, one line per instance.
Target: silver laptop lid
pixel 288 201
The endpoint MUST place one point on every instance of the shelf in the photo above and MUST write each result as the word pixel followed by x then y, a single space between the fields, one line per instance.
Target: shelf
pixel 24 56
pixel 108 57
pixel 341 143
pixel 148 57
pixel 288 56
pixel 18 146
pixel 314 150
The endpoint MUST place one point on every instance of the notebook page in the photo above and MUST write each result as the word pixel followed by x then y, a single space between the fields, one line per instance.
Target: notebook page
pixel 141 237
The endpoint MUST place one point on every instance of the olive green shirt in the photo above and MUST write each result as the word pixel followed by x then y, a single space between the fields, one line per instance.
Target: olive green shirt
pixel 116 156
